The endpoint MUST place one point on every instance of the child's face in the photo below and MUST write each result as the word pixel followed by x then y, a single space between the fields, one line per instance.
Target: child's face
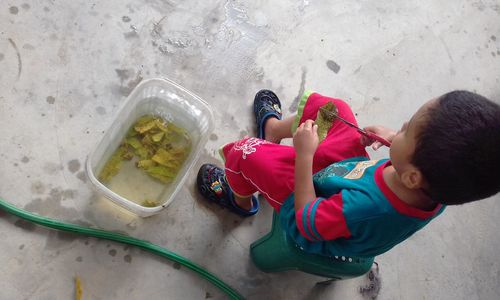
pixel 404 143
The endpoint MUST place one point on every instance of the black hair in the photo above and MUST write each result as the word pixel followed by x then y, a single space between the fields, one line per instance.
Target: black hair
pixel 458 148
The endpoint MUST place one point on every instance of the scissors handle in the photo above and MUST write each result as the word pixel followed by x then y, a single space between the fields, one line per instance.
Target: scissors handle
pixel 377 138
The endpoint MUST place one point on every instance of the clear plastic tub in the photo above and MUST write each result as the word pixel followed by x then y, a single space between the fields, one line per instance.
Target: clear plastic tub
pixel 159 97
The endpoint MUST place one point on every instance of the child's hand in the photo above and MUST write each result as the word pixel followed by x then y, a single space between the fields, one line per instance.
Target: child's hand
pixel 305 139
pixel 381 131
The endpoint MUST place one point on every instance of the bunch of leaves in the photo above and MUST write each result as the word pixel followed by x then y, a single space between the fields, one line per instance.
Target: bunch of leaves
pixel 159 146
pixel 324 119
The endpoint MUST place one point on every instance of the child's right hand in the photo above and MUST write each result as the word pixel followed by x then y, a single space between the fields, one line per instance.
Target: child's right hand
pixel 305 138
pixel 381 131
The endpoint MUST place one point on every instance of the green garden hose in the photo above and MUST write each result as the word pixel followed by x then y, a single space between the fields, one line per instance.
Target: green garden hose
pixel 51 223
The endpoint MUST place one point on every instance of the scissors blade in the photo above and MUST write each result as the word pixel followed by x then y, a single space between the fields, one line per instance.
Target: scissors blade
pixel 351 124
pixel 362 131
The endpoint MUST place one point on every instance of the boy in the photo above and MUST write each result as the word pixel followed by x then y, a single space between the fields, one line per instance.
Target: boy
pixel 332 199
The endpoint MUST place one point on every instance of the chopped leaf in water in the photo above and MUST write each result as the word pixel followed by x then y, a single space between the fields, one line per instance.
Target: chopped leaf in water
pixel 142 152
pixel 161 125
pixel 112 166
pixel 134 142
pixel 163 157
pixel 144 119
pixel 145 127
pixel 127 154
pixel 157 137
pixel 150 203
pixel 145 164
pixel 132 132
pixel 162 173
pixel 175 129
pixel 147 140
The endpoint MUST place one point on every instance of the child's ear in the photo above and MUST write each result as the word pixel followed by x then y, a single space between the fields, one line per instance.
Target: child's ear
pixel 413 178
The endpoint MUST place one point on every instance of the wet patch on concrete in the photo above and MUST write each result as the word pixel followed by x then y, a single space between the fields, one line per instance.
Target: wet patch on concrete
pixel 51 205
pixel 493 38
pixel 59 239
pixel 333 66
pixel 124 74
pixel 25 6
pixel 21 247
pixel 112 252
pixel 126 19
pixel 14 10
pixel 83 223
pixel 213 137
pixel 371 288
pixel 175 41
pixel 37 187
pixel 100 110
pixel 243 133
pixel 51 168
pixel 133 33
pixel 79 259
pixel 127 258
pixel 295 103
pixel 230 121
pixel 58 194
pixel 74 165
pixel 82 176
pixel 28 47
pixel 51 99
pixel 1 56
pixel 26 225
pixel 66 236
pixel 25 159
pixel 132 225
pixel 177 266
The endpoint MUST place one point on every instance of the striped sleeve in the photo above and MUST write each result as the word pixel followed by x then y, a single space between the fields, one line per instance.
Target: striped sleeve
pixel 322 219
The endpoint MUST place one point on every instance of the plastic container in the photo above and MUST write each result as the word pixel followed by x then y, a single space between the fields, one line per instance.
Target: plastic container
pixel 159 97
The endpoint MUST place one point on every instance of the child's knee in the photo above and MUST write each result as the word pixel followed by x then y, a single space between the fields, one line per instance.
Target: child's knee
pixel 344 110
pixel 342 105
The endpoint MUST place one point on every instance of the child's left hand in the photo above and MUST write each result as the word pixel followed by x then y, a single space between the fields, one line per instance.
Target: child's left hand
pixel 305 139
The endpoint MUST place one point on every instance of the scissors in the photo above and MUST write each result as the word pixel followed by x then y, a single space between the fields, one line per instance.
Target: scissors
pixel 369 135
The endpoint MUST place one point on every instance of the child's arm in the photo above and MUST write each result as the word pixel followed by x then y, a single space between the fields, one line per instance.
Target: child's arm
pixel 305 142
pixel 381 131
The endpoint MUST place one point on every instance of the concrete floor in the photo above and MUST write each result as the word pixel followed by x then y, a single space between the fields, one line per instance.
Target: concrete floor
pixel 66 67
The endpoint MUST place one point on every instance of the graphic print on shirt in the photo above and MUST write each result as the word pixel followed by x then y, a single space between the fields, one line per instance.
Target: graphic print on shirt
pixel 339 169
pixel 248 146
pixel 360 169
pixel 346 169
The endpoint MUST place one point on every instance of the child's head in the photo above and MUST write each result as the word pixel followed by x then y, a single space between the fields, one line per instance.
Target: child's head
pixel 450 148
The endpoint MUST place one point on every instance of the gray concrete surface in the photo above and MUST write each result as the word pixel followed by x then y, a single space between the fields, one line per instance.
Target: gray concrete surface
pixel 66 67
